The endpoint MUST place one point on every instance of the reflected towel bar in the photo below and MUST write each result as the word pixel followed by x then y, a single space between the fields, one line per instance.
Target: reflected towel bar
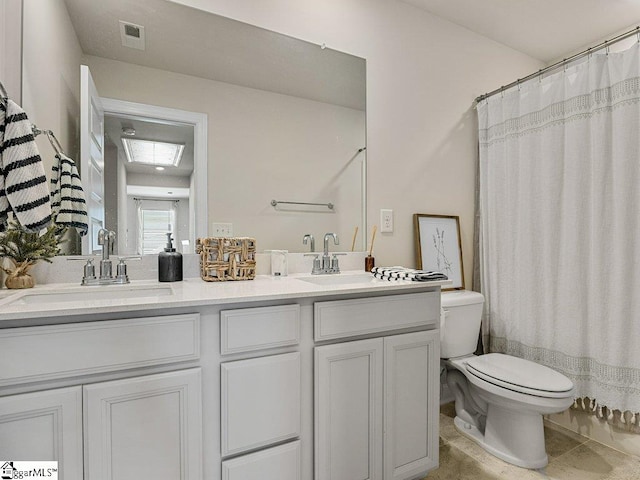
pixel 275 203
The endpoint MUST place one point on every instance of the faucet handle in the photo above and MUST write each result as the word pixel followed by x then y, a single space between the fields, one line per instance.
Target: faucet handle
pixel 317 266
pixel 121 271
pixel 335 266
pixel 89 270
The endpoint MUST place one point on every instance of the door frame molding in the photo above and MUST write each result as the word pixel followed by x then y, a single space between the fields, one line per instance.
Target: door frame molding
pixel 198 221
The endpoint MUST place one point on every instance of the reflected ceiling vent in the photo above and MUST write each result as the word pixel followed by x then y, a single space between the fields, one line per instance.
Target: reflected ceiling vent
pixel 132 35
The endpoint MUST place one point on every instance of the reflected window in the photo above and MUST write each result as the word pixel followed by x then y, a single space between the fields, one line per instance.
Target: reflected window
pixel 154 222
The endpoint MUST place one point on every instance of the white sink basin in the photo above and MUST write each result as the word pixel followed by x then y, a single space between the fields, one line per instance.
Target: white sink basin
pixel 339 279
pixel 87 294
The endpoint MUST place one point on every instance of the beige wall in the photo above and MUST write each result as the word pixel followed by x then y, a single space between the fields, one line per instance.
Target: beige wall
pixel 51 75
pixel 261 146
pixel 11 48
pixel 423 74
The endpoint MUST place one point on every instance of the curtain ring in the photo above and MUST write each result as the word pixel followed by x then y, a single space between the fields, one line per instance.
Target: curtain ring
pixel 606 48
pixel 518 83
pixel 638 33
pixel 564 63
pixel 540 76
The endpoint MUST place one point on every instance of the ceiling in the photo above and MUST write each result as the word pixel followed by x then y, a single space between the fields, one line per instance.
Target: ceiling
pixel 547 30
pixel 189 41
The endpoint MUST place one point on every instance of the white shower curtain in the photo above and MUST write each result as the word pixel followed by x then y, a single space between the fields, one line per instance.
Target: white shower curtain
pixel 560 225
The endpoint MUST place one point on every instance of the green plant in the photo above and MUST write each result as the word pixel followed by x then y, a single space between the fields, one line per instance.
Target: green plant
pixel 24 249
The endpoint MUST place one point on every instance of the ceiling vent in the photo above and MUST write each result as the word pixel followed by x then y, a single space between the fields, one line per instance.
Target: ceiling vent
pixel 132 35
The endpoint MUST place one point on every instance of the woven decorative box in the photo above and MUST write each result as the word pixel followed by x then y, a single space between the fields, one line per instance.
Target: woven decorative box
pixel 223 259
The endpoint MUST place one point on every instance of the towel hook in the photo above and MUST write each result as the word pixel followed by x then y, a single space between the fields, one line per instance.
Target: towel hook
pixel 51 137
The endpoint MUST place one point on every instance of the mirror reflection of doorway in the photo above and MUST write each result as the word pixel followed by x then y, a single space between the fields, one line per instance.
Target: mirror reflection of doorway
pixel 148 174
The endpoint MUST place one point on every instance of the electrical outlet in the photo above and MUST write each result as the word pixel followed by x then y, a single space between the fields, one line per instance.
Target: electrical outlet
pixel 222 229
pixel 386 220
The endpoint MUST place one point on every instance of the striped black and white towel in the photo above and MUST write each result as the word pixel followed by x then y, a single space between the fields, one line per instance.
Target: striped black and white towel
pixel 68 204
pixel 402 273
pixel 23 182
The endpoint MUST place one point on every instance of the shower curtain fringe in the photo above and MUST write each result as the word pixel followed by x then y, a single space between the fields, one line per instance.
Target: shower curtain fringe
pixel 627 420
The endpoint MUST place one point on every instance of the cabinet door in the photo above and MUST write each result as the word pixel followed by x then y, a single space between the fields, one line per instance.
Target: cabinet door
pixel 411 386
pixel 260 402
pixel 348 411
pixel 144 427
pixel 44 426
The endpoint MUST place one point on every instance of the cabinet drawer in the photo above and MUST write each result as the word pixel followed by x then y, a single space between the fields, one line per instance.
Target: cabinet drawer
pixel 349 318
pixel 32 354
pixel 250 329
pixel 277 463
pixel 260 402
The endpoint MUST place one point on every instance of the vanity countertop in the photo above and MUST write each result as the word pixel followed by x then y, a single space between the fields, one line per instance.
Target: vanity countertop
pixel 55 300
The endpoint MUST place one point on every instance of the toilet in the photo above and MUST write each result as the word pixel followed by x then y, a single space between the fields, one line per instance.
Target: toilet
pixel 499 399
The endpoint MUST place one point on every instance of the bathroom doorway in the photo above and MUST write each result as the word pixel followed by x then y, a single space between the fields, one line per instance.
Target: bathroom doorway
pixel 155 176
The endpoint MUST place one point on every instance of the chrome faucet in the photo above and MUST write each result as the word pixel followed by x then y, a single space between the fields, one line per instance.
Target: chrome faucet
pixel 107 239
pixel 329 263
pixel 312 247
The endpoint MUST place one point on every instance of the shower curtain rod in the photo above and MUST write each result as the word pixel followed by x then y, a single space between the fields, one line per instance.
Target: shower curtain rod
pixel 542 71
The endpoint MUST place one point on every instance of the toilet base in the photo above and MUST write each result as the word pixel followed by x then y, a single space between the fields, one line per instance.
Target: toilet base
pixel 515 437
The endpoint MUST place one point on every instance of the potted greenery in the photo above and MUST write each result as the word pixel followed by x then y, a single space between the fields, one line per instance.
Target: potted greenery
pixel 23 250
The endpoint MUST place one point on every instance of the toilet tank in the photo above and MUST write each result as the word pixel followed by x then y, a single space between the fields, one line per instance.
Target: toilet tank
pixel 460 323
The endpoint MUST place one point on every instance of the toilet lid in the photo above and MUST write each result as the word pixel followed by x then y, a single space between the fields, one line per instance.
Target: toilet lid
pixel 520 375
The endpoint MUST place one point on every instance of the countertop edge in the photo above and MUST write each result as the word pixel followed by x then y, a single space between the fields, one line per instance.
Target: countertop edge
pixel 194 293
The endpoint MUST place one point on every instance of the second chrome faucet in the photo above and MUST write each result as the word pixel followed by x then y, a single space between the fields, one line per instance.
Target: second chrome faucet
pixel 329 262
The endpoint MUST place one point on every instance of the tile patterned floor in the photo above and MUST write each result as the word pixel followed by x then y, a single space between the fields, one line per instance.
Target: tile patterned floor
pixel 571 457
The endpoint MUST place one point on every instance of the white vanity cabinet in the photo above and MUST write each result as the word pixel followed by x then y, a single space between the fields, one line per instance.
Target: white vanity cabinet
pixel 275 379
pixel 376 400
pixel 44 426
pixel 260 395
pixel 144 427
pixel 137 426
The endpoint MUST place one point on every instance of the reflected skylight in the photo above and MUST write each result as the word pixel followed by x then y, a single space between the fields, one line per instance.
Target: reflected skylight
pixel 149 152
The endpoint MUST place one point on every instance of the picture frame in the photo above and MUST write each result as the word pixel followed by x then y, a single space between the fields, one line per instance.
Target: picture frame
pixel 439 247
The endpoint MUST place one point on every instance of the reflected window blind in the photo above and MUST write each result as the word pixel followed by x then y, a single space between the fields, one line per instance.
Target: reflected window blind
pixel 155 226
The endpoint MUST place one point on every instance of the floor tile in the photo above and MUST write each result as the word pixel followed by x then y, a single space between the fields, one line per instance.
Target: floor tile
pixel 594 461
pixel 559 440
pixel 456 465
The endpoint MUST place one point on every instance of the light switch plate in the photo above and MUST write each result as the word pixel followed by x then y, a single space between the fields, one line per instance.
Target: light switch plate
pixel 386 220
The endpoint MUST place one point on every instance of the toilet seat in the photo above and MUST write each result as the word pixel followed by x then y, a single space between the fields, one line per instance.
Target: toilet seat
pixel 519 375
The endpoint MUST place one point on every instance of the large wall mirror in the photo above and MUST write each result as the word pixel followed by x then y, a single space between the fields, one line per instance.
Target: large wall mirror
pixel 259 116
